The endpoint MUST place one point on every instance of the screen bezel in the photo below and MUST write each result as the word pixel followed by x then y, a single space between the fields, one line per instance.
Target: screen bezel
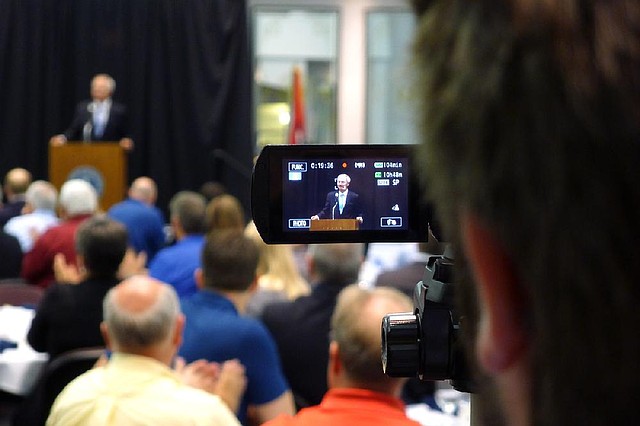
pixel 267 195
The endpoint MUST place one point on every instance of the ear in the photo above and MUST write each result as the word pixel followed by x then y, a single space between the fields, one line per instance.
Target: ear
pixel 199 277
pixel 502 334
pixel 179 328
pixel 105 335
pixel 253 287
pixel 79 262
pixel 311 265
pixel 335 365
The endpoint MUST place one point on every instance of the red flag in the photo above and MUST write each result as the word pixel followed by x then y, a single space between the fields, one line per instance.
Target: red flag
pixel 297 131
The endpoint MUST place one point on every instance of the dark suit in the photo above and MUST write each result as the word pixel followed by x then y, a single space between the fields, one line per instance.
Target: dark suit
pixel 301 331
pixel 11 256
pixel 117 126
pixel 10 210
pixel 351 210
pixel 68 317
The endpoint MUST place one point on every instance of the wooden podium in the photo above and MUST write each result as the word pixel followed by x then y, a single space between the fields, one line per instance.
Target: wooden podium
pixel 106 161
pixel 334 225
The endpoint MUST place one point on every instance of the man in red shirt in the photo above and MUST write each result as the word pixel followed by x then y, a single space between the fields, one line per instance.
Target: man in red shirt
pixel 78 201
pixel 359 392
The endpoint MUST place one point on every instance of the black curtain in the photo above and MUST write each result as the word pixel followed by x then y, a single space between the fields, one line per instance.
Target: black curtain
pixel 182 68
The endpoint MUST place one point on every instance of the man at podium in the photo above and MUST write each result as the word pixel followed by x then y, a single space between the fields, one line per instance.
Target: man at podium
pixel 341 204
pixel 98 119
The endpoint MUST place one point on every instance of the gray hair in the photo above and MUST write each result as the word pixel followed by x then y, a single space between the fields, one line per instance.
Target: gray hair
pixel 189 208
pixel 338 264
pixel 346 177
pixel 137 330
pixel 42 195
pixel 77 196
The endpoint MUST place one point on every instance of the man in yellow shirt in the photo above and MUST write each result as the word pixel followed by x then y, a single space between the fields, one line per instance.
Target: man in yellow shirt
pixel 143 327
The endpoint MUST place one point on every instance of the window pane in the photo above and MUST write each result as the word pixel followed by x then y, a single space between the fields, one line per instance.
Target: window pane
pixel 390 114
pixel 286 40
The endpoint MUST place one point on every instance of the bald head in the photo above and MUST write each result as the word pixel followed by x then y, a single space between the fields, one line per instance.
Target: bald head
pixel 144 189
pixel 140 313
pixel 16 182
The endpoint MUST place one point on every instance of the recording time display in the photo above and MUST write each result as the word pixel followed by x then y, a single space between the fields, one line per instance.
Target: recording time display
pixel 315 165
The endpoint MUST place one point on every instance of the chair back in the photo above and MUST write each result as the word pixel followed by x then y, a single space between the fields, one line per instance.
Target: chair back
pixel 18 293
pixel 57 374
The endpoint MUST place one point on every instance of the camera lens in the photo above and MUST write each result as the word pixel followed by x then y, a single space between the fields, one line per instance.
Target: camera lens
pixel 400 348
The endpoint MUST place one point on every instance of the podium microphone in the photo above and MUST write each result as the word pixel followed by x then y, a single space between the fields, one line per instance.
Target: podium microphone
pixel 88 126
pixel 333 210
pixel 86 131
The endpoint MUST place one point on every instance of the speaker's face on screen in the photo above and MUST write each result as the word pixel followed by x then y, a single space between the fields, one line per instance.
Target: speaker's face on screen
pixel 342 183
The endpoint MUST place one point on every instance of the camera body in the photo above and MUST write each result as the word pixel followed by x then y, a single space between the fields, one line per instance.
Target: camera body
pixel 425 343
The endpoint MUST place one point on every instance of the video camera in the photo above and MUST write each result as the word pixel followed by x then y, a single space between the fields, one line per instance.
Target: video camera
pixel 426 342
pixel 293 184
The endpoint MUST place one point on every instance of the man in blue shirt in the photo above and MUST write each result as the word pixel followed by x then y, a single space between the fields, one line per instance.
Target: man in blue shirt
pixel 217 331
pixel 144 221
pixel 177 264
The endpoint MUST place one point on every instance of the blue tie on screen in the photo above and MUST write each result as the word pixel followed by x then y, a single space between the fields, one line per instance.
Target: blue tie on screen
pixel 341 202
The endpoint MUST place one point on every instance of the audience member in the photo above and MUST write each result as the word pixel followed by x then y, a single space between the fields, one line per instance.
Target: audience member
pixel 69 316
pixel 16 182
pixel 143 329
pixel 211 189
pixel 224 212
pixel 278 276
pixel 11 256
pixel 9 246
pixel 301 327
pixel 100 119
pixel 144 221
pixel 78 202
pixel 177 264
pixel 216 330
pixel 39 214
pixel 359 392
pixel 531 151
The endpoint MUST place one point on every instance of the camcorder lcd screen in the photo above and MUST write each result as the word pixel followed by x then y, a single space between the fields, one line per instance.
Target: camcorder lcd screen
pixel 337 193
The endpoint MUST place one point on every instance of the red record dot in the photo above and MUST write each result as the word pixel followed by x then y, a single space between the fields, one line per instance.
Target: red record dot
pixel 344 165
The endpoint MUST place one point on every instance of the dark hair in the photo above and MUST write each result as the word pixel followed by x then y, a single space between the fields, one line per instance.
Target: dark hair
pixel 102 242
pixel 531 121
pixel 229 260
pixel 189 208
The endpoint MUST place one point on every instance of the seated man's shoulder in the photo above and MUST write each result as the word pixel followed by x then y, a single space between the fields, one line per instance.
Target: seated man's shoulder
pixel 166 255
pixel 162 401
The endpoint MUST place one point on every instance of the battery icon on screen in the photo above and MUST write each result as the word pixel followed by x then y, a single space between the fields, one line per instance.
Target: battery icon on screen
pixel 378 174
pixel 378 165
